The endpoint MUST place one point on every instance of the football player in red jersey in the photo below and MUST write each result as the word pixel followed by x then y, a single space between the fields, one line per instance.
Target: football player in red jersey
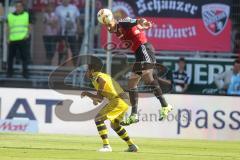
pixel 132 30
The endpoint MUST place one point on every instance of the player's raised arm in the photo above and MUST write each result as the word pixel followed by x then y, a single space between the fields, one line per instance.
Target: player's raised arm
pixel 129 22
pixel 145 24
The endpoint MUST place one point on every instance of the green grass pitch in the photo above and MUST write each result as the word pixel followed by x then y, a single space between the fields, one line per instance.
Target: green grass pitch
pixel 68 147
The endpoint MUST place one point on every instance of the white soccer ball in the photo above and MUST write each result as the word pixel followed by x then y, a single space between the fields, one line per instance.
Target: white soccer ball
pixel 105 16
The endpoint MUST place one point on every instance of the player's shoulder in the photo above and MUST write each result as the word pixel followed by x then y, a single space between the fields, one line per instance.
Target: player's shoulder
pixel 102 75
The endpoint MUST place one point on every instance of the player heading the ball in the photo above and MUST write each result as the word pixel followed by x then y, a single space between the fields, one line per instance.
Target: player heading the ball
pixel 132 30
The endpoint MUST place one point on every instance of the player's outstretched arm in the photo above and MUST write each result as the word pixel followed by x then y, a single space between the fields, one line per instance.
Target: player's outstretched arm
pixel 129 22
pixel 94 97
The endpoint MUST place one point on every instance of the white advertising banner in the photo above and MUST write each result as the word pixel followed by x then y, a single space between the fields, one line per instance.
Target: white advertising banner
pixel 193 117
pixel 21 126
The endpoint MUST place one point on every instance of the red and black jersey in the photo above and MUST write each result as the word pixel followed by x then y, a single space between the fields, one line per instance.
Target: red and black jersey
pixel 128 30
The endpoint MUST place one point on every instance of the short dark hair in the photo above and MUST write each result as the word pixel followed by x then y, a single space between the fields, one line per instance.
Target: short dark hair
pixel 94 67
pixel 92 62
pixel 181 59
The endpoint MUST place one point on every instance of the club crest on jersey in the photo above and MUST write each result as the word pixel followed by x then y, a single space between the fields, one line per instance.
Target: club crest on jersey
pixel 215 17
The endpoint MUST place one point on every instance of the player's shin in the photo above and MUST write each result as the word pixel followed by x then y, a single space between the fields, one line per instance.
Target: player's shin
pixel 122 133
pixel 166 108
pixel 133 95
pixel 103 132
pixel 158 93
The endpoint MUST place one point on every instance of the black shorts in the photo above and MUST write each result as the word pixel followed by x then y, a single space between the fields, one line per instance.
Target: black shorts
pixel 145 59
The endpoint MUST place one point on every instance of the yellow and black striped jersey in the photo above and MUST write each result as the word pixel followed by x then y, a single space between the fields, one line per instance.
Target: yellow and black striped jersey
pixel 111 90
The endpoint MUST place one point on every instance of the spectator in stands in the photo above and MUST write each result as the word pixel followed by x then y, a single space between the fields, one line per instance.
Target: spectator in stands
pixel 181 79
pixel 27 5
pixel 51 30
pixel 223 80
pixel 234 86
pixel 62 50
pixel 68 15
pixel 18 33
pixel 63 53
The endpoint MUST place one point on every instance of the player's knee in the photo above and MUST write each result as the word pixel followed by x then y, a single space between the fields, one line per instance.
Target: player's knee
pixel 133 90
pixel 132 85
pixel 133 81
pixel 154 85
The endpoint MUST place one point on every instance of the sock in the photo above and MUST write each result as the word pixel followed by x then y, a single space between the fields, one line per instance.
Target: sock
pixel 133 95
pixel 158 92
pixel 123 135
pixel 102 130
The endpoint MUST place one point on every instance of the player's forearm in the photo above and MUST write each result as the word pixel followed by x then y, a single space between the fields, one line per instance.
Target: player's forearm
pixel 94 97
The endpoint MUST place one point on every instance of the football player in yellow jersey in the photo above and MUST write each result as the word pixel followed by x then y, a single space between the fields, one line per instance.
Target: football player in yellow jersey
pixel 115 109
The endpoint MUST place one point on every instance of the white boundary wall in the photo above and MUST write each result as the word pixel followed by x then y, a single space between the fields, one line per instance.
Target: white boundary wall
pixel 202 117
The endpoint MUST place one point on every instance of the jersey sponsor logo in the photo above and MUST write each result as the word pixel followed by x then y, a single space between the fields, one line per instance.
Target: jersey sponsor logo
pixel 215 17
